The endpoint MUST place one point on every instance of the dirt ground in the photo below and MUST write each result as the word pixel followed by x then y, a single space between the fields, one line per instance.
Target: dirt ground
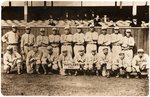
pixel 57 85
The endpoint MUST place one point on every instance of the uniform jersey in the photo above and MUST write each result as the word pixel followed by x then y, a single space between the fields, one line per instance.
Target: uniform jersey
pixel 80 59
pixel 104 39
pixel 105 59
pixel 27 40
pixel 10 58
pixel 116 39
pixel 137 61
pixel 128 42
pixel 33 55
pixel 42 40
pixel 66 38
pixel 11 38
pixel 79 38
pixel 122 62
pixel 49 58
pixel 91 36
pixel 54 38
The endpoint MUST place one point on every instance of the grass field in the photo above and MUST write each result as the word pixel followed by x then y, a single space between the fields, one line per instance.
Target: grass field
pixel 57 85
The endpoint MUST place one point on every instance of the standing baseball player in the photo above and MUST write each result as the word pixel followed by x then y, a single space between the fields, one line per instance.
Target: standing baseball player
pixel 33 60
pixel 91 38
pixel 105 63
pixel 67 40
pixel 78 40
pixel 64 59
pixel 42 41
pixel 12 38
pixel 50 60
pixel 116 41
pixel 27 41
pixel 128 44
pixel 11 60
pixel 122 65
pixel 103 40
pixel 140 62
pixel 54 39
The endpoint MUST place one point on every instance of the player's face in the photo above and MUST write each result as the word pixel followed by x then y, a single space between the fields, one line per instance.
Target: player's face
pixel 35 49
pixel 116 31
pixel 14 29
pixel 42 33
pixel 104 32
pixel 67 31
pixel 127 34
pixel 54 32
pixel 50 51
pixel 81 53
pixel 64 53
pixel 122 56
pixel 140 54
pixel 28 31
pixel 10 51
pixel 78 30
pixel 105 51
pixel 92 29
pixel 93 52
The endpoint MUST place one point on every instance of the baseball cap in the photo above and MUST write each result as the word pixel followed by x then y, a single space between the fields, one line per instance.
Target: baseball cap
pixel 104 28
pixel 116 28
pixel 67 28
pixel 14 26
pixel 140 50
pixel 9 48
pixel 128 30
pixel 91 26
pixel 28 27
pixel 42 29
pixel 54 29
pixel 49 48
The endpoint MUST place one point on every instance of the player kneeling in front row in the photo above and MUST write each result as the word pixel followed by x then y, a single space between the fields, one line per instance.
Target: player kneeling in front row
pixel 121 66
pixel 105 62
pixel 80 60
pixel 64 61
pixel 140 63
pixel 33 60
pixel 11 60
pixel 91 62
pixel 49 60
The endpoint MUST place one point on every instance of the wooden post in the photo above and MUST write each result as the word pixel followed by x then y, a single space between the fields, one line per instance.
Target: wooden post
pixel 26 11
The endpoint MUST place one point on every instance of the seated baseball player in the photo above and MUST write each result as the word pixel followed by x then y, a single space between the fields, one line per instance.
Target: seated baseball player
pixel 11 60
pixel 91 62
pixel 140 63
pixel 105 62
pixel 49 59
pixel 80 59
pixel 121 65
pixel 65 60
pixel 33 60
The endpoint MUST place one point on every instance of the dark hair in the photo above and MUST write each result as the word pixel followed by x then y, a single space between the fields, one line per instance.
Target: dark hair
pixel 126 35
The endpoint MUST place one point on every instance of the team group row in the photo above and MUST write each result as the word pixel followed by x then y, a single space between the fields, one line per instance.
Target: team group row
pixel 118 58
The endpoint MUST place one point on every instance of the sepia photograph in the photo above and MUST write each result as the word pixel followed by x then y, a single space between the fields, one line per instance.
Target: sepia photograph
pixel 74 48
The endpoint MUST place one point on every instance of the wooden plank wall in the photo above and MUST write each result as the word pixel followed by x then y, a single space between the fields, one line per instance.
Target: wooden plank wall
pixel 141 35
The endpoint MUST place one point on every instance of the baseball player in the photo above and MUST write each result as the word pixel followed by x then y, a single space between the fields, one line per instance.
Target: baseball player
pixel 140 62
pixel 78 40
pixel 91 62
pixel 33 60
pixel 122 65
pixel 105 63
pixel 66 41
pixel 91 38
pixel 80 59
pixel 116 41
pixel 27 41
pixel 42 41
pixel 128 44
pixel 11 60
pixel 12 38
pixel 54 39
pixel 103 40
pixel 49 59
pixel 64 59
